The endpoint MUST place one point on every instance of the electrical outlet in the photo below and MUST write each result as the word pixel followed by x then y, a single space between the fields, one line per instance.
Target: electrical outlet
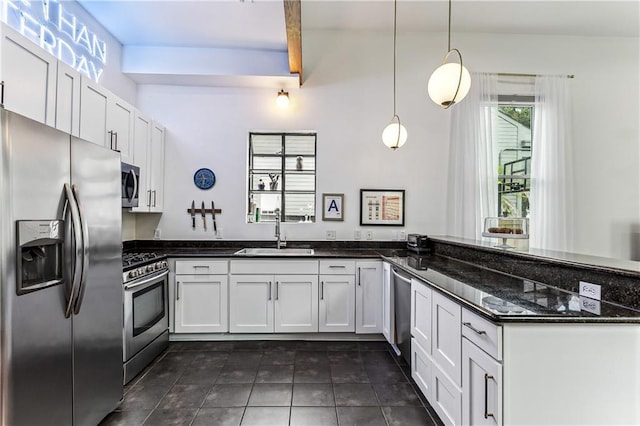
pixel 156 234
pixel 369 235
pixel 219 233
pixel 592 291
pixel 402 235
pixel 357 235
pixel 590 305
pixel 331 235
pixel 394 235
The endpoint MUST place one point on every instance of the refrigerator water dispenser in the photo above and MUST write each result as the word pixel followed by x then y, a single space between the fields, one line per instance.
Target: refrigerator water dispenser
pixel 40 254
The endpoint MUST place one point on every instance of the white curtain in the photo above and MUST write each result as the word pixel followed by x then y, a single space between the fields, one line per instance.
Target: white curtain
pixel 551 165
pixel 472 185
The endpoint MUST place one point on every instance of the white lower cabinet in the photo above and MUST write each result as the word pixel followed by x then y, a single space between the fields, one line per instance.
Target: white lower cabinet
pixel 251 303
pixel 447 336
pixel 201 294
pixel 201 304
pixel 482 392
pixel 388 319
pixel 273 296
pixel 336 307
pixel 369 296
pixel 273 303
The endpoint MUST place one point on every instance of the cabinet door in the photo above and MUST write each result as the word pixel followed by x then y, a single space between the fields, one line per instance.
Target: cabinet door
pixel 421 300
pixel 369 297
pixel 94 104
pixel 201 304
pixel 120 118
pixel 156 166
pixel 446 397
pixel 251 303
pixel 447 336
pixel 296 303
pixel 29 76
pixel 68 100
pixel 482 391
pixel 142 137
pixel 421 369
pixel 336 309
pixel 388 323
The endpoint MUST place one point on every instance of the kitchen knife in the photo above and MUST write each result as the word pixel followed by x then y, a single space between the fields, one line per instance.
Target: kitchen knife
pixel 193 214
pixel 213 214
pixel 204 217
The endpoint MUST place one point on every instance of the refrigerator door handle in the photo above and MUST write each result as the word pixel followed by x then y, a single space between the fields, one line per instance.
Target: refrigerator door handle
pixel 77 235
pixel 85 253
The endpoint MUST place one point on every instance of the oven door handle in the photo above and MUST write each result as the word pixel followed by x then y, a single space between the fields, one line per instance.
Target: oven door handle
pixel 146 281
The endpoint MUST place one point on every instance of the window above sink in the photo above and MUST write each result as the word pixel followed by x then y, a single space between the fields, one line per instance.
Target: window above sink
pixel 282 175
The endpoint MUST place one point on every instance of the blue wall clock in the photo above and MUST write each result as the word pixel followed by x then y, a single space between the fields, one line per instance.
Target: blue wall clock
pixel 204 178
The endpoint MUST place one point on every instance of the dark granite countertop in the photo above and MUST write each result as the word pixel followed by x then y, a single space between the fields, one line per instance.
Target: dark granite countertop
pixel 505 298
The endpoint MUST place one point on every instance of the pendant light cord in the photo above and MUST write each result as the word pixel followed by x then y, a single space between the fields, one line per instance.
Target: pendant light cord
pixel 395 19
pixel 449 34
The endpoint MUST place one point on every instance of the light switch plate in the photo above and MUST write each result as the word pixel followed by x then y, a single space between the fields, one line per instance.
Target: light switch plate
pixel 592 291
pixel 369 235
pixel 357 235
pixel 402 236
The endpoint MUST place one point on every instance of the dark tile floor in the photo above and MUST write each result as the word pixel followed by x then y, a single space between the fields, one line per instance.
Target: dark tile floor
pixel 274 383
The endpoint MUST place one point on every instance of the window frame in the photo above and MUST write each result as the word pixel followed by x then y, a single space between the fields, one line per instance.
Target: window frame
pixel 282 171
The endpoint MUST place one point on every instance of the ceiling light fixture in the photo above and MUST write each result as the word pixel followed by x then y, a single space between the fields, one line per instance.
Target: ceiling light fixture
pixel 283 99
pixel 394 135
pixel 450 82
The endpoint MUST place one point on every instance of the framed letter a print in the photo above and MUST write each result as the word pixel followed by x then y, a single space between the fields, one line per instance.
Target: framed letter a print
pixel 332 206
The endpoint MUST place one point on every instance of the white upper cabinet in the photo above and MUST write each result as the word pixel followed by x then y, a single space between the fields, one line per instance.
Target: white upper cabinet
pixel 29 75
pixel 94 104
pixel 68 100
pixel 106 119
pixel 148 154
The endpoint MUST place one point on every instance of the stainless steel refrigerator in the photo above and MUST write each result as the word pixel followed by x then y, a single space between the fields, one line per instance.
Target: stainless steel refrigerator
pixel 61 300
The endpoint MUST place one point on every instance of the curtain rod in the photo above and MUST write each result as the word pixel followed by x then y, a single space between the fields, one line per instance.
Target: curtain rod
pixel 509 74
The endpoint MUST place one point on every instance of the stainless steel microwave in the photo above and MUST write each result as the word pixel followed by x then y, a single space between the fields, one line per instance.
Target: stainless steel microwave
pixel 130 177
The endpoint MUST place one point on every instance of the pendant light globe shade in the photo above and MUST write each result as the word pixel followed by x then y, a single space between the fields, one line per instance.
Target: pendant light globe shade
pixel 394 135
pixel 444 82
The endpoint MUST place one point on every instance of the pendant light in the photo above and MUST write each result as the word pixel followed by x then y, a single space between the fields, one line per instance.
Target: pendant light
pixel 450 82
pixel 283 99
pixel 394 135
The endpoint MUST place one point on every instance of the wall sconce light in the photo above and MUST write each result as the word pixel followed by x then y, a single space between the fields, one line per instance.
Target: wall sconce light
pixel 450 82
pixel 283 99
pixel 395 134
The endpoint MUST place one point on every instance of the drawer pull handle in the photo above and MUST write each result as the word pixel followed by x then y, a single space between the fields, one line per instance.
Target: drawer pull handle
pixel 337 266
pixel 486 396
pixel 468 325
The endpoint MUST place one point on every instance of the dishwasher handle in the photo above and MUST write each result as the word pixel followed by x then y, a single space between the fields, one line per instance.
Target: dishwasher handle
pixel 401 277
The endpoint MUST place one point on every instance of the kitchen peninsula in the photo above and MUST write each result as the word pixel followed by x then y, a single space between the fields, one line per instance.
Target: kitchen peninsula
pixel 499 334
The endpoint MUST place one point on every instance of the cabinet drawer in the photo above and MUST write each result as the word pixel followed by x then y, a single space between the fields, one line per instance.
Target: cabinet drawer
pixel 200 267
pixel 338 267
pixel 274 267
pixel 485 334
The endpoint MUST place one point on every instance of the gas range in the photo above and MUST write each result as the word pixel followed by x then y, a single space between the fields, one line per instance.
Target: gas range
pixel 139 265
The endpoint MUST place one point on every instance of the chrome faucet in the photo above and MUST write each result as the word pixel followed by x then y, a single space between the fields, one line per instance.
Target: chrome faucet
pixel 279 242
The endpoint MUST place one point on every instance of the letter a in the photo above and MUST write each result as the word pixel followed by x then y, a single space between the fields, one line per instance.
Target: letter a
pixel 333 206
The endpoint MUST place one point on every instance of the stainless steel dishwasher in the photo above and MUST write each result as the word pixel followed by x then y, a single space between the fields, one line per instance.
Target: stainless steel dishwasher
pixel 402 312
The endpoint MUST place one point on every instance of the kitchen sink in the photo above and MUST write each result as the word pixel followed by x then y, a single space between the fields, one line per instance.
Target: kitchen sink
pixel 274 252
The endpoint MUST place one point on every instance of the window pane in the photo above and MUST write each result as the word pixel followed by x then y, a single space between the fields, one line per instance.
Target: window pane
pixel 512 142
pixel 282 176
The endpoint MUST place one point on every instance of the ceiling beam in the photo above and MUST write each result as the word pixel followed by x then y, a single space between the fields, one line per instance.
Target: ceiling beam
pixel 293 21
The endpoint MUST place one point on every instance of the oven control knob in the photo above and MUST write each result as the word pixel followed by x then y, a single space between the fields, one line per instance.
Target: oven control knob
pixel 133 274
pixel 160 265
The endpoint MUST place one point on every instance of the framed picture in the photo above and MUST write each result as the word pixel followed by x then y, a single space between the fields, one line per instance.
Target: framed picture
pixel 383 207
pixel 332 206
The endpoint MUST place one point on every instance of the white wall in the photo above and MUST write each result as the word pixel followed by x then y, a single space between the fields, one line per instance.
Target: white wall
pixel 347 98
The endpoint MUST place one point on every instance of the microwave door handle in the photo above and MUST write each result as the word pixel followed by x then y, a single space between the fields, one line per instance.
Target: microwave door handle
pixel 132 173
pixel 85 253
pixel 72 207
